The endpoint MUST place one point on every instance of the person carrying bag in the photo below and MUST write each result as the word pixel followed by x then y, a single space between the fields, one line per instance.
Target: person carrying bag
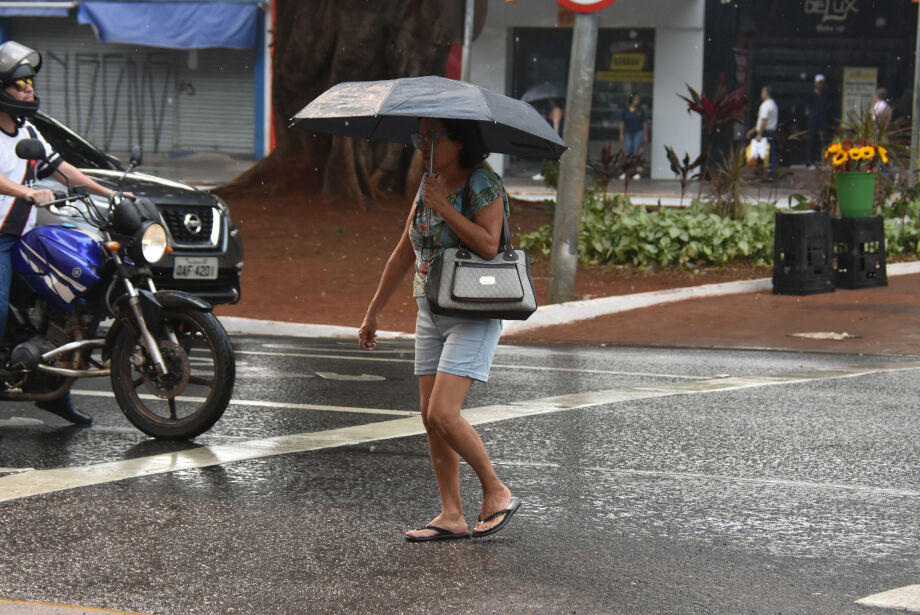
pixel 451 352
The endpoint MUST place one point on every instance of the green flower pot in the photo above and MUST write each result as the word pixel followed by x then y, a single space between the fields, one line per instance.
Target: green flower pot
pixel 855 193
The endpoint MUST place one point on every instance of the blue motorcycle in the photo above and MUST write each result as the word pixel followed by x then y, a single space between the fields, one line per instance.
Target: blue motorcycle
pixel 83 304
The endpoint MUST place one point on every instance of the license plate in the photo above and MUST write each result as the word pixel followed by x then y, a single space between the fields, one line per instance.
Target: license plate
pixel 195 268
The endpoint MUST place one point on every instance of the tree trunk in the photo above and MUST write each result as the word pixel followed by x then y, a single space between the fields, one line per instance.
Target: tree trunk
pixel 319 43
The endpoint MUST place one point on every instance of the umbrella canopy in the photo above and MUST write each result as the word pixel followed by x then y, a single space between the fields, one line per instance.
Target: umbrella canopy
pixel 390 110
pixel 544 91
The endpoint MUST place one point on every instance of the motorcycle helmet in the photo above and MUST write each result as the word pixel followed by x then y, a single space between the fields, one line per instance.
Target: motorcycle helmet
pixel 17 62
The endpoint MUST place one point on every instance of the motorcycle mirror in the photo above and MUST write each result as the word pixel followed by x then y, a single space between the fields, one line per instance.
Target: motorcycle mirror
pixel 30 149
pixel 135 160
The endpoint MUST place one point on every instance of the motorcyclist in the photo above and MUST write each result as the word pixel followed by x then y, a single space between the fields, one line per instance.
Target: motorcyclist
pixel 18 67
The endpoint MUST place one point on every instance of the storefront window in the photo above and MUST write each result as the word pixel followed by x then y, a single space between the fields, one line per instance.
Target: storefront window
pixel 624 65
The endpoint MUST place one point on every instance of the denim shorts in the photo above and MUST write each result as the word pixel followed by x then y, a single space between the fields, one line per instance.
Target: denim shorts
pixel 458 346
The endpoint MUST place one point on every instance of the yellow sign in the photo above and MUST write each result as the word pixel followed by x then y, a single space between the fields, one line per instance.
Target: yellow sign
pixel 627 61
pixel 859 85
pixel 625 75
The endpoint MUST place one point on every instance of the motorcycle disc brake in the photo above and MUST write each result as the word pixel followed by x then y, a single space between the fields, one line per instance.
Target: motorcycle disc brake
pixel 173 382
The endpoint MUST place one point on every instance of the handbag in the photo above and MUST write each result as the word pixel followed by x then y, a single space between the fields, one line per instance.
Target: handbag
pixel 461 283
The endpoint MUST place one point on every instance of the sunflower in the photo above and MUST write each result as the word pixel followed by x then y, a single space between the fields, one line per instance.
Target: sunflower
pixel 883 154
pixel 840 158
pixel 832 149
pixel 868 152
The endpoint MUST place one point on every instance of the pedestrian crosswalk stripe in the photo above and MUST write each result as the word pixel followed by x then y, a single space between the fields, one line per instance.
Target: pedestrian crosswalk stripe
pixel 26 484
pixel 905 598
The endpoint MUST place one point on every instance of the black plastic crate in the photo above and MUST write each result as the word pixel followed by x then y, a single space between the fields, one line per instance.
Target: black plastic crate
pixel 803 256
pixel 859 252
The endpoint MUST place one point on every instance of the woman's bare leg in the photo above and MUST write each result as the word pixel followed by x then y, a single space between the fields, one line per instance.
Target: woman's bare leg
pixel 443 420
pixel 446 464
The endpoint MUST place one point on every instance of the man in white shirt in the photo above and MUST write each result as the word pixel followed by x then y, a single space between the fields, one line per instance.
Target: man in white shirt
pixel 18 66
pixel 767 121
pixel 881 110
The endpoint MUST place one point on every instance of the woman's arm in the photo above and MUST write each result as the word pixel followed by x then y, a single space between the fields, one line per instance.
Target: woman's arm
pixel 401 260
pixel 482 233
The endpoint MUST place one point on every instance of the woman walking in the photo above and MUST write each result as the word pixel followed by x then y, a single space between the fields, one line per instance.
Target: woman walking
pixel 450 353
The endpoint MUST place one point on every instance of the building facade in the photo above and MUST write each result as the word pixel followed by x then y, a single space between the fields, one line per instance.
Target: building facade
pixel 857 45
pixel 151 74
pixel 651 48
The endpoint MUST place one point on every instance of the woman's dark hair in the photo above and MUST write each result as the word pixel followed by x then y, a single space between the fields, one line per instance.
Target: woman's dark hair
pixel 466 133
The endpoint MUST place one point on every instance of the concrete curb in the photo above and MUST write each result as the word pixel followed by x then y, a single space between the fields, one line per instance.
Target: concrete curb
pixel 545 316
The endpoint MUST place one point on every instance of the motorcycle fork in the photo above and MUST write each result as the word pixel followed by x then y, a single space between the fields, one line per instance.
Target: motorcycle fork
pixel 147 340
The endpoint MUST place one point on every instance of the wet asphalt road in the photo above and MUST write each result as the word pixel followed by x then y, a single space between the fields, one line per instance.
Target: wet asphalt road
pixel 652 481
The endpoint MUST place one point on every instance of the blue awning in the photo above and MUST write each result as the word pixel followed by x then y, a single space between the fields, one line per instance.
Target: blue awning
pixel 36 8
pixel 176 25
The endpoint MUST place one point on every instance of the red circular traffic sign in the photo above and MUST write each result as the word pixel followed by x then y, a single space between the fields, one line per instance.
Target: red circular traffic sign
pixel 586 6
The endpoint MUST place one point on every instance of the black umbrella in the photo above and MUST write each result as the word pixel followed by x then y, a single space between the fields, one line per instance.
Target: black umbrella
pixel 544 91
pixel 390 110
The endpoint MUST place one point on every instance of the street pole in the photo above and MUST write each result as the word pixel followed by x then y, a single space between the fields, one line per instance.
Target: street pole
pixel 467 40
pixel 569 194
pixel 915 115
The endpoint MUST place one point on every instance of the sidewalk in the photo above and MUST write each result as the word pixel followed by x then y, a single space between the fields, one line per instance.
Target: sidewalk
pixel 646 191
pixel 881 320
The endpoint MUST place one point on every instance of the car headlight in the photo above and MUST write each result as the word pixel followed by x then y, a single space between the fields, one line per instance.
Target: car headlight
pixel 152 241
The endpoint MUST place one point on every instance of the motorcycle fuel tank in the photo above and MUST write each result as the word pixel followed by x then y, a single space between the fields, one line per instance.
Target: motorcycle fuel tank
pixel 58 263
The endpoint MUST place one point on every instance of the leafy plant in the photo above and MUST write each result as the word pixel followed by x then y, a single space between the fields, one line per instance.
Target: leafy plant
pixel 892 135
pixel 551 173
pixel 727 199
pixel 683 169
pixel 613 231
pixel 722 107
pixel 611 165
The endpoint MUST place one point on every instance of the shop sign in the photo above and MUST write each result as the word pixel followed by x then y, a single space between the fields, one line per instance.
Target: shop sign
pixel 859 85
pixel 833 14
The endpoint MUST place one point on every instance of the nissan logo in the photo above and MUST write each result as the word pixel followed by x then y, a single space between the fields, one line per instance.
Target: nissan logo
pixel 192 223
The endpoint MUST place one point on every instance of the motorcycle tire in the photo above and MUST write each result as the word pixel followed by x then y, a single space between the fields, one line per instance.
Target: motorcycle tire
pixel 189 399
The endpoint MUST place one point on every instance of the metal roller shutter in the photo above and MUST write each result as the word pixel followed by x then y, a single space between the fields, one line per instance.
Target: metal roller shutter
pixel 120 95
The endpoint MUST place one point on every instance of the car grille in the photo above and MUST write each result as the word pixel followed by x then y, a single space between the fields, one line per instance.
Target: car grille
pixel 191 227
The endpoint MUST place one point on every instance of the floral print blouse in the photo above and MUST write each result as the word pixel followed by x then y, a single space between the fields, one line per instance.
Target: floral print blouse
pixel 485 187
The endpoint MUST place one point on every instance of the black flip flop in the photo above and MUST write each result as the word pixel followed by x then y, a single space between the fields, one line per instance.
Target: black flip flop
pixel 442 534
pixel 512 508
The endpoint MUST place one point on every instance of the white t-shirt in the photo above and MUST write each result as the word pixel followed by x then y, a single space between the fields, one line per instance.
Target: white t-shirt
pixel 880 109
pixel 14 168
pixel 770 111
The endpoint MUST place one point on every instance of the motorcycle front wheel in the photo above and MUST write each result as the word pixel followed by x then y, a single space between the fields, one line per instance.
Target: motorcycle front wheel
pixel 187 400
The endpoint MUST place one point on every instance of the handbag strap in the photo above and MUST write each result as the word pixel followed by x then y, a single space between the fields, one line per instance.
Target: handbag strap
pixel 505 239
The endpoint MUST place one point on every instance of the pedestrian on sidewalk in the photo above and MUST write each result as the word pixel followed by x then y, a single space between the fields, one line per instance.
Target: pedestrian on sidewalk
pixel 816 110
pixel 634 129
pixel 767 121
pixel 881 111
pixel 450 353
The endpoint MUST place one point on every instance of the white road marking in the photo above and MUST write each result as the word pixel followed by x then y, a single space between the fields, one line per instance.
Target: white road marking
pixel 538 368
pixel 28 484
pixel 349 378
pixel 265 404
pixel 31 607
pixel 905 598
pixel 19 421
pixel 264 372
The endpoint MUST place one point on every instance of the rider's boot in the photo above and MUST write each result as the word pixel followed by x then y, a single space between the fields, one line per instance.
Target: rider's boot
pixel 63 407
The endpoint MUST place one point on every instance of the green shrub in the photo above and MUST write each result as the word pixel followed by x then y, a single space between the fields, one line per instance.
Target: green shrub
pixel 615 232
